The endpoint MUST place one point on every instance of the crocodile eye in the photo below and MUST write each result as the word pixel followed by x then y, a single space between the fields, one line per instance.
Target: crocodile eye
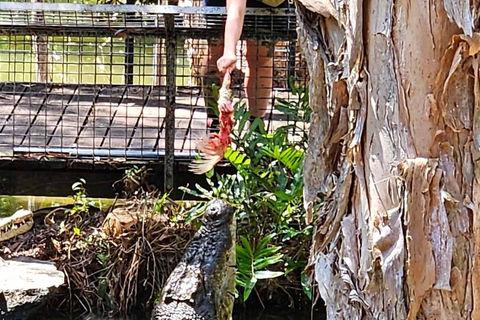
pixel 214 210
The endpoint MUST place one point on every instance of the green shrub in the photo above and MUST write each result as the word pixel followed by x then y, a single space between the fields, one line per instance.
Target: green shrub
pixel 267 190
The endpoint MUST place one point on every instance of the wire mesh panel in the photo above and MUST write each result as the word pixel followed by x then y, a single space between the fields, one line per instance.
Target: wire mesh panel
pixel 90 81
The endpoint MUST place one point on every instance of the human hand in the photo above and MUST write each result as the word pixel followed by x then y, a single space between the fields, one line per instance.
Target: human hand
pixel 225 106
pixel 226 63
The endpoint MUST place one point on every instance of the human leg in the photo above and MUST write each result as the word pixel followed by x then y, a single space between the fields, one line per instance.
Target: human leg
pixel 210 74
pixel 258 77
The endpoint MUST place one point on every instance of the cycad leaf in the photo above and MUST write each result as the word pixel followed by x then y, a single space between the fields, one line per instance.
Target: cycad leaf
pixel 267 261
pixel 268 274
pixel 246 245
pixel 249 287
pixel 266 252
pixel 265 241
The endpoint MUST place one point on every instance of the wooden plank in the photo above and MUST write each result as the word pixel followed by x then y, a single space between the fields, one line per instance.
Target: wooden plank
pixel 139 123
pixel 24 113
pixel 187 141
pixel 197 128
pixel 137 118
pixel 101 117
pixel 74 117
pixel 36 109
pixel 183 122
pixel 186 118
pixel 44 125
pixel 150 124
pixel 194 118
pixel 105 110
pixel 8 99
pixel 61 98
pixel 10 95
pixel 153 9
pixel 123 121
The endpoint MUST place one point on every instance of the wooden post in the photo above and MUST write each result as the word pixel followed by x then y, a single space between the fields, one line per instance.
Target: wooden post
pixel 171 55
pixel 40 50
pixel 158 66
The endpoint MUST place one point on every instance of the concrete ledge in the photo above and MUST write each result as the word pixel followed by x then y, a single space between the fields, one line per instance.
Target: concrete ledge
pixel 25 284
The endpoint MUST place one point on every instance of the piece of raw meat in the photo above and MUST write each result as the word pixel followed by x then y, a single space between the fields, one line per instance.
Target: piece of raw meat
pixel 214 146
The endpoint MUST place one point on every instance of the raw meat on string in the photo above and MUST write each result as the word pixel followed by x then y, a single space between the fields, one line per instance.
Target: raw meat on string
pixel 214 146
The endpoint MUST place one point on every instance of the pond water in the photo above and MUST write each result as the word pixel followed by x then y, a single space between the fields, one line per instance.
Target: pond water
pixel 257 314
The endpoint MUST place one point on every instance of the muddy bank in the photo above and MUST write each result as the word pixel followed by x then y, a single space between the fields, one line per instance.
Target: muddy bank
pixel 114 260
pixel 117 259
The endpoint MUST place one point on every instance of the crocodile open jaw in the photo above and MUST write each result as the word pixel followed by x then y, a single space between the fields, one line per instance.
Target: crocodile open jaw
pixel 17 224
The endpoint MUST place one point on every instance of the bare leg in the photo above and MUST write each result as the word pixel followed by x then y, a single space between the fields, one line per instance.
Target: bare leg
pixel 258 77
pixel 209 71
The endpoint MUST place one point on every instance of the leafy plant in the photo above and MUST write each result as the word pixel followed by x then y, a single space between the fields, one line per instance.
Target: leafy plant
pixel 134 180
pixel 81 200
pixel 267 190
pixel 251 263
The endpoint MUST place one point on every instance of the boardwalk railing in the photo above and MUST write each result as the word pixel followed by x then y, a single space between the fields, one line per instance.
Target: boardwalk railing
pixel 189 22
pixel 97 82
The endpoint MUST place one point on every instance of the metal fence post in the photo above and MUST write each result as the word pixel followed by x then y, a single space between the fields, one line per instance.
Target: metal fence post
pixel 171 56
pixel 129 52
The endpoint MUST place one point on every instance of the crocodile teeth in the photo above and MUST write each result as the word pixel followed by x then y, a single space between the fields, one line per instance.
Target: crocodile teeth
pixel 18 223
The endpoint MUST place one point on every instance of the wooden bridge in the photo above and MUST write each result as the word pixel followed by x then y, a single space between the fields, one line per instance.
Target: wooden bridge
pixel 96 82
pixel 74 121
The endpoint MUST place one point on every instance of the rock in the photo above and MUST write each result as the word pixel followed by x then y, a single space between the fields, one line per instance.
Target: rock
pixel 26 283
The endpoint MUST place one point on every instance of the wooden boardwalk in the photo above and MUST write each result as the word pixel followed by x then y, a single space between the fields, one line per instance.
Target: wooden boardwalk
pixel 102 121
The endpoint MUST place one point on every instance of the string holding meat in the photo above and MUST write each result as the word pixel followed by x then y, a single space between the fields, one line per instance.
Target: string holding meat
pixel 214 146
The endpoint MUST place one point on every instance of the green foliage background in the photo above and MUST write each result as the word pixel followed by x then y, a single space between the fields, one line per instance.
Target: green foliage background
pixel 267 191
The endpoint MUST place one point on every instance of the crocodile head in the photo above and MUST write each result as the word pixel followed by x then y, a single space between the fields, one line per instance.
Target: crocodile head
pixel 218 212
pixel 18 223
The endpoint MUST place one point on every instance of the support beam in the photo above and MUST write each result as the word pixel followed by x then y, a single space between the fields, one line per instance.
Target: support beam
pixel 40 47
pixel 171 55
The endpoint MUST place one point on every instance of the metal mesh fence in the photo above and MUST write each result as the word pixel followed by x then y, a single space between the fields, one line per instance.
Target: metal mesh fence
pixel 91 81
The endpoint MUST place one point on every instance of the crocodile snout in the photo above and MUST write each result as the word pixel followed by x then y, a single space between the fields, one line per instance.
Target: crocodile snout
pixel 18 223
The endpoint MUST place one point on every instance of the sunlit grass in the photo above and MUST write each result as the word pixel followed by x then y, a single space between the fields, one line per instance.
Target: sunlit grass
pixel 85 60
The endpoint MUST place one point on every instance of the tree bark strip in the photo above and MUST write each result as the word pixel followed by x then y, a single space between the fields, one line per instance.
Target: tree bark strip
pixel 394 149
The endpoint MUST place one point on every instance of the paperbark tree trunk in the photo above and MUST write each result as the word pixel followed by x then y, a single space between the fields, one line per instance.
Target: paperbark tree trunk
pixel 394 150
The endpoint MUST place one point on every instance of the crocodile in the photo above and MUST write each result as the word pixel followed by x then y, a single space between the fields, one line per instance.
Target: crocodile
pixel 23 220
pixel 16 224
pixel 202 285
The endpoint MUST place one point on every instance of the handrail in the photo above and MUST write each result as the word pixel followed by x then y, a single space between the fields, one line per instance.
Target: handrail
pixel 126 8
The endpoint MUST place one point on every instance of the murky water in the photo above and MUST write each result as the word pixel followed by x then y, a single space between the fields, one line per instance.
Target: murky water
pixel 263 314
pixel 272 314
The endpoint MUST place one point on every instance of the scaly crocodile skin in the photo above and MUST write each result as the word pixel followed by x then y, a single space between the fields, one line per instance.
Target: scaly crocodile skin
pixel 201 286
pixel 20 222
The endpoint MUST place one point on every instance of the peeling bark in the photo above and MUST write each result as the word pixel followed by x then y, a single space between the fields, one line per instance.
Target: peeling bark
pixel 395 150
